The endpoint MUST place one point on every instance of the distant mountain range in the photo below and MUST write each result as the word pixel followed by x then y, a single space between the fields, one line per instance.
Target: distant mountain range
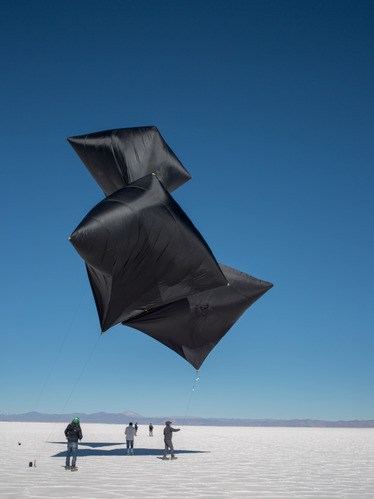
pixel 125 417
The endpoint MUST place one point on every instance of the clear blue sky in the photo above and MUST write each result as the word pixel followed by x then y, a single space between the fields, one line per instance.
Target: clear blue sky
pixel 269 106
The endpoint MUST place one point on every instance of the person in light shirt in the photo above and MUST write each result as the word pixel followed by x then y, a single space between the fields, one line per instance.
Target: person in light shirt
pixel 130 433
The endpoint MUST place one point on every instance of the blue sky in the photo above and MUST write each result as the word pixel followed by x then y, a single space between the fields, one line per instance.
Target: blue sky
pixel 269 106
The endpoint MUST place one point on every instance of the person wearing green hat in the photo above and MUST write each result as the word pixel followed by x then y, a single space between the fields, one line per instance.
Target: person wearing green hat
pixel 73 433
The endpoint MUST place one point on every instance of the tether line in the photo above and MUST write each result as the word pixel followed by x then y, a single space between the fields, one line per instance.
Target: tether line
pixel 197 377
pixel 81 373
pixel 71 393
pixel 60 349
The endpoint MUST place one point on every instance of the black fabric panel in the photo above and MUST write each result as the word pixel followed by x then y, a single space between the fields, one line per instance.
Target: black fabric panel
pixel 116 158
pixel 194 325
pixel 142 251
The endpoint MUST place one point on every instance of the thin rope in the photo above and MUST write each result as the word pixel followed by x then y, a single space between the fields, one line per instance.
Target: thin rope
pixel 197 377
pixel 58 353
pixel 82 371
pixel 70 395
pixel 60 349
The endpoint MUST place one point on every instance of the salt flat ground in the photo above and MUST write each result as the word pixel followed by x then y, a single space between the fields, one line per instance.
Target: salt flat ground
pixel 213 462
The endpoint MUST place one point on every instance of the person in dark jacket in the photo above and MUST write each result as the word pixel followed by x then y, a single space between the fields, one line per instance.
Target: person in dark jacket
pixel 168 433
pixel 73 433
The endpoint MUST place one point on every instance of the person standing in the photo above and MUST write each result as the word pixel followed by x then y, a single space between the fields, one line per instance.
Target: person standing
pixel 130 433
pixel 73 433
pixel 168 434
pixel 150 429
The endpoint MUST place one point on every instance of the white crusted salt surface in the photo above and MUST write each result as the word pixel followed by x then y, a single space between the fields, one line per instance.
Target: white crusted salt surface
pixel 213 462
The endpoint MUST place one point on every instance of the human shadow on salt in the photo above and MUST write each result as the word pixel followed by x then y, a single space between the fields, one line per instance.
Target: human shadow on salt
pixel 92 444
pixel 93 449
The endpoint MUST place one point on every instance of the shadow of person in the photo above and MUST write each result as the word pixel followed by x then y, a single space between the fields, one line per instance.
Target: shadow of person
pixel 98 449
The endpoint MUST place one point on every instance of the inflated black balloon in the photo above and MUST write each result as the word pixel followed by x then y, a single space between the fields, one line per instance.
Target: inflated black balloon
pixel 142 251
pixel 193 325
pixel 116 158
pixel 148 266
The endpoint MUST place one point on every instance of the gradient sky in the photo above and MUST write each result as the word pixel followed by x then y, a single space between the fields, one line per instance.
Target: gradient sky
pixel 269 106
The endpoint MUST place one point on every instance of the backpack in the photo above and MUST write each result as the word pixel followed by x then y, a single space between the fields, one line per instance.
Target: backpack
pixel 73 431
